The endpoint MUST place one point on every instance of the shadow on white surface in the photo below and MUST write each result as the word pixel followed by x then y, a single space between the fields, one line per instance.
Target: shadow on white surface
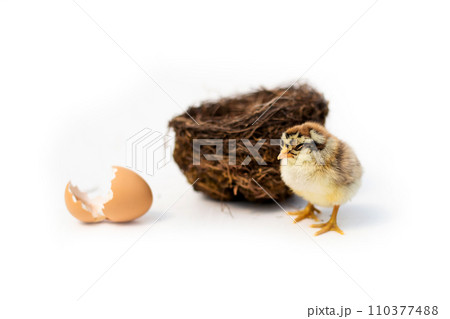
pixel 357 216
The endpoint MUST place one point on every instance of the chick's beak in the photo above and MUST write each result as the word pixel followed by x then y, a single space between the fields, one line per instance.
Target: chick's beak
pixel 285 154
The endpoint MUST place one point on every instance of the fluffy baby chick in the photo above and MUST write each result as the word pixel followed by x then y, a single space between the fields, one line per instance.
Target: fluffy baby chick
pixel 320 168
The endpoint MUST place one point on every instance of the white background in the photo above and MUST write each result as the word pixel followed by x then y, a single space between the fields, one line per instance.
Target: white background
pixel 73 90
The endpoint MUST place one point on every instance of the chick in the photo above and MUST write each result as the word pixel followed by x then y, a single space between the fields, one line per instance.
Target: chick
pixel 320 168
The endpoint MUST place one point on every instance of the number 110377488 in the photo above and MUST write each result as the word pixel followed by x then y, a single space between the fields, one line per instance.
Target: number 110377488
pixel 403 310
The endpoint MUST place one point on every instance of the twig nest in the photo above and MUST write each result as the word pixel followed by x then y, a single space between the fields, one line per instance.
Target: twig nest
pixel 259 116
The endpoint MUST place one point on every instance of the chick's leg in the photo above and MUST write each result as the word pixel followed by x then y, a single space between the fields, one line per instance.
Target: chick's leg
pixel 307 212
pixel 329 225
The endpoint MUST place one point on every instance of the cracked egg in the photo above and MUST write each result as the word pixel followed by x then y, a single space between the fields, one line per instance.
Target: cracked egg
pixel 122 197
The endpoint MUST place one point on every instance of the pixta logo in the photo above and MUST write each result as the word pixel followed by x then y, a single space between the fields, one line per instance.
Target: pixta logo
pixel 148 151
pixel 226 149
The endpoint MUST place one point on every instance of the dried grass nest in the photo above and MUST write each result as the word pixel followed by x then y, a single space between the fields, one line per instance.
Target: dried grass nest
pixel 263 114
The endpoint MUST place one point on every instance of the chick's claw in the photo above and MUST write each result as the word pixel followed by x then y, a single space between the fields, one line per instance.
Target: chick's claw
pixel 307 212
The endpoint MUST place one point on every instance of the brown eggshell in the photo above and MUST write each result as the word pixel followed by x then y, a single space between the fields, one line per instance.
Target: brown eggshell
pixel 76 209
pixel 132 197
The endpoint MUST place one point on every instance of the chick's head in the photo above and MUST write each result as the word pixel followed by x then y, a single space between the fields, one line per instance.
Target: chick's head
pixel 303 141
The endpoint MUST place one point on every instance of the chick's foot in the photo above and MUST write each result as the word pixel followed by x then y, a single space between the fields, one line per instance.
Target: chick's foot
pixel 307 212
pixel 330 225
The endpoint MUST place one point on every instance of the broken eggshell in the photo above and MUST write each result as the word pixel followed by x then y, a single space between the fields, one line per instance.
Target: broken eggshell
pixel 126 198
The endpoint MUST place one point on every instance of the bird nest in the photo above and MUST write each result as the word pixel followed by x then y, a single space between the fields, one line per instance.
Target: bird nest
pixel 257 117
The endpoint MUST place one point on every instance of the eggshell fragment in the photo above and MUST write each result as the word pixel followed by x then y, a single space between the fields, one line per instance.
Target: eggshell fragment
pixel 75 207
pixel 132 197
pixel 128 198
